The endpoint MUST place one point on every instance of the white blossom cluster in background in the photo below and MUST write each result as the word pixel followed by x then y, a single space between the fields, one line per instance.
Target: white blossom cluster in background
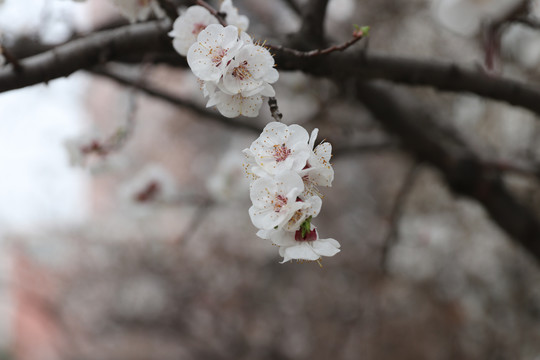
pixel 285 169
pixel 235 73
pixel 139 10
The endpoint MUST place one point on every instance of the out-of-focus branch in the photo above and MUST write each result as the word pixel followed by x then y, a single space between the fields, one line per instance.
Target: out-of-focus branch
pixel 311 34
pixel 493 32
pixel 160 94
pixel 443 76
pixel 169 8
pixel 358 35
pixel 340 150
pixel 86 52
pixel 134 41
pixel 217 14
pixel 529 21
pixel 396 212
pixel 294 6
pixel 462 170
pixel 12 59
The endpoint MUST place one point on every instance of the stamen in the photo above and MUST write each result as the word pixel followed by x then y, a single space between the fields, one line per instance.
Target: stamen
pixel 281 152
pixel 279 203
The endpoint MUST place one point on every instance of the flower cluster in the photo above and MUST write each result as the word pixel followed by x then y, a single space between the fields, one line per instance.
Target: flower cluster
pixel 285 169
pixel 235 72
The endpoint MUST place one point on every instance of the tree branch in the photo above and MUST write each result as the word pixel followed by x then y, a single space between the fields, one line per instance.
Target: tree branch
pixel 134 41
pixel 159 94
pixel 86 52
pixel 311 34
pixel 463 171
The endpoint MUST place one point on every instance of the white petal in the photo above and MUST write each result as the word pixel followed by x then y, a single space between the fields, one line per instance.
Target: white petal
pixel 326 247
pixel 303 251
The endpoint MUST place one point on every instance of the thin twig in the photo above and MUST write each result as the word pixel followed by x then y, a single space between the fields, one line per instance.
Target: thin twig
pixel 157 93
pixel 493 32
pixel 11 59
pixel 274 109
pixel 396 213
pixel 219 16
pixel 364 149
pixel 317 52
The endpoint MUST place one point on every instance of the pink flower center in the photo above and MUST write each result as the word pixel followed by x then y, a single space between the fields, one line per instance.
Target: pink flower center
pixel 217 58
pixel 310 236
pixel 197 28
pixel 148 193
pixel 281 152
pixel 279 203
pixel 241 72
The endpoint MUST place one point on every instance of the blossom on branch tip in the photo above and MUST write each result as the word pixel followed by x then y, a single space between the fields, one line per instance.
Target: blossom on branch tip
pixel 188 25
pixel 250 72
pixel 215 48
pixel 232 16
pixel 285 168
pixel 293 246
pixel 318 171
pixel 279 148
pixel 275 200
pixel 234 105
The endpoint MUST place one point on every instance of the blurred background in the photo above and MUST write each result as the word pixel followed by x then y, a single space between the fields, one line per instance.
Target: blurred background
pixel 146 251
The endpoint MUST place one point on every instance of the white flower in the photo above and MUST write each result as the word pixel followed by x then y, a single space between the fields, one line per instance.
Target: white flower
pixel 310 208
pixel 81 147
pixel 318 170
pixel 228 182
pixel 292 246
pixel 279 148
pixel 187 27
pixel 465 17
pixel 216 46
pixel 152 184
pixel 235 105
pixel 250 72
pixel 232 18
pixel 275 200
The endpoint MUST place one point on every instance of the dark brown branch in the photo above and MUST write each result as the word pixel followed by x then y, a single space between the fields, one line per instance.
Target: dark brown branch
pixel 169 8
pixel 87 52
pixel 159 94
pixel 274 109
pixel 11 59
pixel 529 21
pixel 311 33
pixel 217 14
pixel 134 41
pixel 339 151
pixel 443 76
pixel 464 173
